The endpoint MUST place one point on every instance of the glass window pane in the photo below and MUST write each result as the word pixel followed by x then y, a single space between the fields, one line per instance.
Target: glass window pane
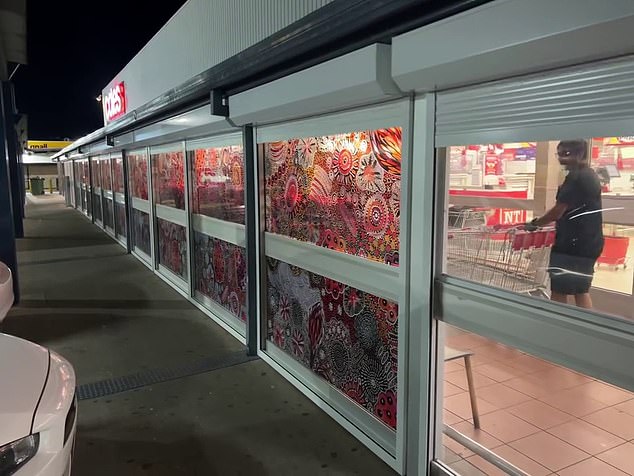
pixel 346 336
pixel 172 244
pixel 218 188
pixel 141 231
pixel 95 169
pixel 108 213
pixel 118 174
pixel 342 191
pixel 540 417
pixel 138 170
pixel 220 273
pixel 550 219
pixel 168 175
pixel 119 217
pixel 89 203
pixel 106 174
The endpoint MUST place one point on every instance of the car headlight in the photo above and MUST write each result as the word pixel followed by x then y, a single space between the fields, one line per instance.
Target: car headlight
pixel 15 455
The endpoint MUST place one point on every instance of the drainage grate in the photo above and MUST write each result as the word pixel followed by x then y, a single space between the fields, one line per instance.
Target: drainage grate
pixel 154 376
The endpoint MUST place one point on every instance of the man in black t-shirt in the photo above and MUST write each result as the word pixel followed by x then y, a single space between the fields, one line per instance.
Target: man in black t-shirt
pixel 579 226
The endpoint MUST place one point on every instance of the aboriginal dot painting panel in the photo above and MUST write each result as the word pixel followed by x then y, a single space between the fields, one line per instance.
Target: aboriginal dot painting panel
pixel 172 244
pixel 108 213
pixel 141 231
pixel 218 189
pixel 138 167
pixel 346 336
pixel 88 198
pixel 106 174
pixel 220 273
pixel 95 206
pixel 342 192
pixel 117 165
pixel 169 179
pixel 95 169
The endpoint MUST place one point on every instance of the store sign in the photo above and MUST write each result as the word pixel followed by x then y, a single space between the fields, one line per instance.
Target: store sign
pixel 47 144
pixel 114 102
pixel 505 216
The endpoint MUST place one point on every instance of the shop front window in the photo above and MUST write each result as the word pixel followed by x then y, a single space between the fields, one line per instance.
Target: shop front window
pixel 118 182
pixel 141 231
pixel 218 189
pixel 106 174
pixel 95 168
pixel 548 219
pixel 346 336
pixel 220 273
pixel 542 418
pixel 342 192
pixel 119 217
pixel 172 245
pixel 169 179
pixel 108 211
pixel 138 169
pixel 338 194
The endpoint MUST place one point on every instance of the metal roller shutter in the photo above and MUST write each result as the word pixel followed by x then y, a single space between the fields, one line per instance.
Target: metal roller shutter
pixel 584 101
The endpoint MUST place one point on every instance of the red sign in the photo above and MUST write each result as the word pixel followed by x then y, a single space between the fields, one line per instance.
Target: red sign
pixel 492 165
pixel 521 194
pixel 114 102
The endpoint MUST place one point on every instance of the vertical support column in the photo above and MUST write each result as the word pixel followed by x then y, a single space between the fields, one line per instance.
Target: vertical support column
pixel 547 175
pixel 255 232
pixel 8 254
pixel 89 190
pixel 11 147
pixel 126 201
pixel 114 198
pixel 187 193
pixel 150 196
pixel 421 371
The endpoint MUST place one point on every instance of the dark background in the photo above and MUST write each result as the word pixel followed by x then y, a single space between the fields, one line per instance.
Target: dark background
pixel 74 50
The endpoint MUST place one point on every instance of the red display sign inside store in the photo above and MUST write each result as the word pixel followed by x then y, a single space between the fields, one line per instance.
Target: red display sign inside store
pixel 114 102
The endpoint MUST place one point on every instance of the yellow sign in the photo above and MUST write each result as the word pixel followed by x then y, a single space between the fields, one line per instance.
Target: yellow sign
pixel 47 144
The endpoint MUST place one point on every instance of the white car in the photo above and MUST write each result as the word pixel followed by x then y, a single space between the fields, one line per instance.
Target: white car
pixel 6 291
pixel 38 410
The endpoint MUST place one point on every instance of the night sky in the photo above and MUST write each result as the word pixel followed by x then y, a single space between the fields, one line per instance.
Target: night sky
pixel 73 53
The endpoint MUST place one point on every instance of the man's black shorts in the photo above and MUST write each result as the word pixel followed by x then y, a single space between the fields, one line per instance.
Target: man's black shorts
pixel 570 274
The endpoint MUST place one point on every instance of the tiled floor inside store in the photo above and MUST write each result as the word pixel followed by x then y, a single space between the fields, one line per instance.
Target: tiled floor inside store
pixel 544 419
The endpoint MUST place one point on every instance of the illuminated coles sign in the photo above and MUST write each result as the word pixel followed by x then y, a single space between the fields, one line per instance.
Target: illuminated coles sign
pixel 114 102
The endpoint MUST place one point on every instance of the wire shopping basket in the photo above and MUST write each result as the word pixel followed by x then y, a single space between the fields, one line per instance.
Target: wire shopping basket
pixel 465 217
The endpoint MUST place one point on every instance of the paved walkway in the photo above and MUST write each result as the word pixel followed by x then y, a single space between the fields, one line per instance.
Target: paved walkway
pixel 85 298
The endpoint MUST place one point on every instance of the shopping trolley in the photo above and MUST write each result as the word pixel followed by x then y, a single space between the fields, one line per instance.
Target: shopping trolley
pixel 509 258
pixel 466 217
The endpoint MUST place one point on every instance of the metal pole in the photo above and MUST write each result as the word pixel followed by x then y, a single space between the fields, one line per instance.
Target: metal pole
pixel 11 148
pixel 483 452
pixel 8 254
pixel 254 232
pixel 126 200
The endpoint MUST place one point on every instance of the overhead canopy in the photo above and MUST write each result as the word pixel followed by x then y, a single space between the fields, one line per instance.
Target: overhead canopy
pixel 12 33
